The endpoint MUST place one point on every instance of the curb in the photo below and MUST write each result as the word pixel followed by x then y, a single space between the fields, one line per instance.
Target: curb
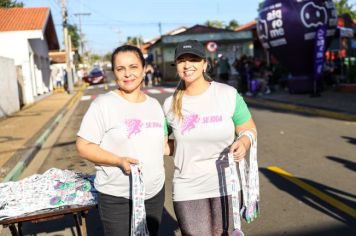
pixel 302 109
pixel 28 156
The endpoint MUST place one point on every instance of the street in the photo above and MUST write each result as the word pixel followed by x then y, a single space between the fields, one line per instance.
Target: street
pixel 293 63
pixel 307 173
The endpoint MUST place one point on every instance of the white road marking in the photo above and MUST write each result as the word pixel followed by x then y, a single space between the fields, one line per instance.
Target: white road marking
pixel 85 97
pixel 169 90
pixel 153 91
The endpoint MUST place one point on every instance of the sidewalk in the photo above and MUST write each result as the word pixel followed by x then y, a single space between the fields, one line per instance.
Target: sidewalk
pixel 22 134
pixel 331 104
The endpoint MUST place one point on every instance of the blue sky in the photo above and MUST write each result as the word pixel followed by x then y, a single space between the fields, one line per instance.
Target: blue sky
pixel 111 21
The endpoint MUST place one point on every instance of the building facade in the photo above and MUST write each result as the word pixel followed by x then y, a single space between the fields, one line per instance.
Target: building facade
pixel 217 42
pixel 26 36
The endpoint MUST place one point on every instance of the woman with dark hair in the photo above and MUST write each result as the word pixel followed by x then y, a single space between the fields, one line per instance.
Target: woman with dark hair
pixel 123 129
pixel 210 122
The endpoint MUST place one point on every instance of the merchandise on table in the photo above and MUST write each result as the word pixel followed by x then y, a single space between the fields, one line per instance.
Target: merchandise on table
pixel 52 189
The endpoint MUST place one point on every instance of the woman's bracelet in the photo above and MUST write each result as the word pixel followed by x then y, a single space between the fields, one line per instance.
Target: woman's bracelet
pixel 249 133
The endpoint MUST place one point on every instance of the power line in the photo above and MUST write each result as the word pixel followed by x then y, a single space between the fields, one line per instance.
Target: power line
pixel 79 15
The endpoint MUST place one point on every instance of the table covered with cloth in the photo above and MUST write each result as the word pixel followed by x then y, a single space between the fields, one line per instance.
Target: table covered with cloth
pixel 53 189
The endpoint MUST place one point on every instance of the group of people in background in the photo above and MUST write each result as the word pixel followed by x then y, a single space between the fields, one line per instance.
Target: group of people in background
pixel 153 75
pixel 126 129
pixel 252 75
pixel 256 76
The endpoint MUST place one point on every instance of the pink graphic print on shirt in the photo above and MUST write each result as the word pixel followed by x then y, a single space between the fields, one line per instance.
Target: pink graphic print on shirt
pixel 189 122
pixel 133 126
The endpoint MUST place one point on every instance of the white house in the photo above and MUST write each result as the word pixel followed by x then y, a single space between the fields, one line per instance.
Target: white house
pixel 26 36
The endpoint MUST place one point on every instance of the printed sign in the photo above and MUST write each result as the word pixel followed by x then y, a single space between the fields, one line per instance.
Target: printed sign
pixel 288 30
pixel 319 51
pixel 211 46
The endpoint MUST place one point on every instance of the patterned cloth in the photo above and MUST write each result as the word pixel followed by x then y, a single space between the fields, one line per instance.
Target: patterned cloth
pixel 248 171
pixel 138 220
pixel 52 189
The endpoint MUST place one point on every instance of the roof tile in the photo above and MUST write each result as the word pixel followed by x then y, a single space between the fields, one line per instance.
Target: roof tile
pixel 18 19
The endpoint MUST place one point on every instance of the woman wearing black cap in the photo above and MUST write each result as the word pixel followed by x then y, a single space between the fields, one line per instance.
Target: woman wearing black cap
pixel 205 117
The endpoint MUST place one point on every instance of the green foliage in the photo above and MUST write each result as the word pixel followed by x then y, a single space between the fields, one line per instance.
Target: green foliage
pixel 74 35
pixel 233 24
pixel 343 7
pixel 95 57
pixel 107 56
pixel 91 58
pixel 137 41
pixel 10 4
pixel 215 23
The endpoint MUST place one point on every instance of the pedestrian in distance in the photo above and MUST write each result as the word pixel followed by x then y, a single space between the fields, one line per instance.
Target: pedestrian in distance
pixel 223 68
pixel 59 78
pixel 122 129
pixel 211 123
pixel 149 70
pixel 157 75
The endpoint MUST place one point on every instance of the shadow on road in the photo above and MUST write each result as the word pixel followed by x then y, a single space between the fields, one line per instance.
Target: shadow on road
pixel 322 231
pixel 168 224
pixel 347 164
pixel 280 181
pixel 5 139
pixel 350 140
pixel 66 225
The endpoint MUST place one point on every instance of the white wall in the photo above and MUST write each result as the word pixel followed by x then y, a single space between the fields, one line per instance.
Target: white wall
pixel 9 102
pixel 30 51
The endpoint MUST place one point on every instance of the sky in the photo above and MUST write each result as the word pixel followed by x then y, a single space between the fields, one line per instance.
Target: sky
pixel 111 21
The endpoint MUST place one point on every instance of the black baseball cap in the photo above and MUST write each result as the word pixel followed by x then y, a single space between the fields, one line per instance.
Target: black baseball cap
pixel 190 46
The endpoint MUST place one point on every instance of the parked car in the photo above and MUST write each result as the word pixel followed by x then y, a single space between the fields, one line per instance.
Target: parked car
pixel 96 76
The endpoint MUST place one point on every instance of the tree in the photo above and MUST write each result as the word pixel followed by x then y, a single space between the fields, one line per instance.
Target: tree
pixel 9 4
pixel 215 23
pixel 74 35
pixel 92 58
pixel 343 7
pixel 137 41
pixel 107 56
pixel 233 24
pixel 95 57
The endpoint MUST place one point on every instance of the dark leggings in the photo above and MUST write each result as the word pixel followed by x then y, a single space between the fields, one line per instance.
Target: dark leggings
pixel 211 216
pixel 115 214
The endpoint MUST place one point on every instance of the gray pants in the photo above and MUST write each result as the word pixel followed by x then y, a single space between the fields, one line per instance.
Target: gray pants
pixel 210 216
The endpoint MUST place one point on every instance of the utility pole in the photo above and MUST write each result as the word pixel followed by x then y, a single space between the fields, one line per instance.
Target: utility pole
pixel 67 49
pixel 160 28
pixel 118 36
pixel 79 15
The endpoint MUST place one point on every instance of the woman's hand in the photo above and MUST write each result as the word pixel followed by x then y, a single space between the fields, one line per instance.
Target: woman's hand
pixel 94 153
pixel 242 145
pixel 125 164
pixel 240 148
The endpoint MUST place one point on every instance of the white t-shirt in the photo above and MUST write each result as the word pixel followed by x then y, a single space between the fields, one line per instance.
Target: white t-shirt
pixel 126 129
pixel 202 140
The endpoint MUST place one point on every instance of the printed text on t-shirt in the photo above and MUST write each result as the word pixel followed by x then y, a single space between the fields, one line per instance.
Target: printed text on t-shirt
pixel 190 121
pixel 135 126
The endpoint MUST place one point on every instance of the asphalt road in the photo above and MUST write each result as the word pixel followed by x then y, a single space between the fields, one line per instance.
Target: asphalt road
pixel 307 174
